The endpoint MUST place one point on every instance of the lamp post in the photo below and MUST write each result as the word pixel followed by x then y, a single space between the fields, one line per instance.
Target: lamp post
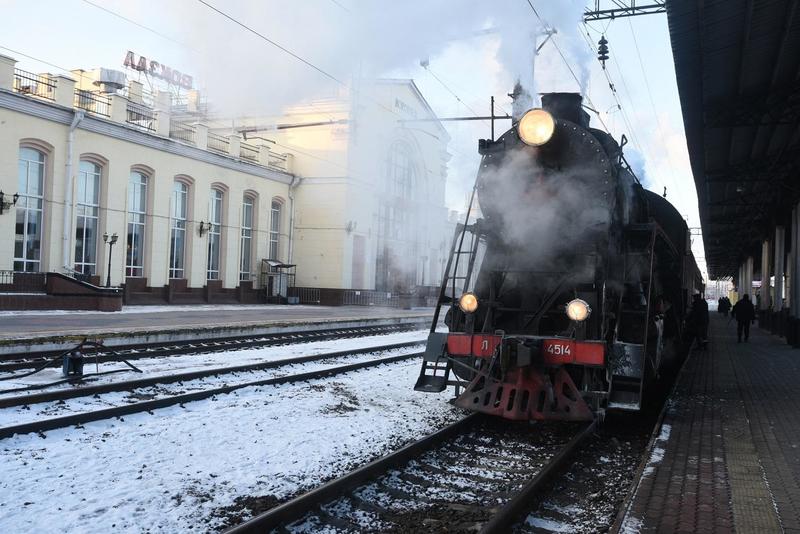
pixel 111 244
pixel 5 204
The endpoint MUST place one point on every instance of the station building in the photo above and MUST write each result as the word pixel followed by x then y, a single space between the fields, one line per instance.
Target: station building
pixel 370 204
pixel 205 213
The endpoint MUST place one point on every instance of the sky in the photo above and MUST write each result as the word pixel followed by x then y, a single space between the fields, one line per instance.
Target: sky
pixel 473 50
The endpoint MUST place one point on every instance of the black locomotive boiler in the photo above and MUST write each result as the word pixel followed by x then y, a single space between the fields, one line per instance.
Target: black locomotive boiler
pixel 565 295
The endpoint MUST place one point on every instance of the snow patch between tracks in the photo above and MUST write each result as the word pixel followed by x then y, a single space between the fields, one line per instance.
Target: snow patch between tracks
pixel 170 471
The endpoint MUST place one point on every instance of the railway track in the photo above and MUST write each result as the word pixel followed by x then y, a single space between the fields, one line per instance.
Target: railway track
pixel 42 425
pixel 476 474
pixel 27 360
pixel 8 399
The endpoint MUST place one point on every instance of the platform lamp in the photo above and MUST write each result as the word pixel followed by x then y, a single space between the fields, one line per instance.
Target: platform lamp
pixel 5 204
pixel 111 242
pixel 204 227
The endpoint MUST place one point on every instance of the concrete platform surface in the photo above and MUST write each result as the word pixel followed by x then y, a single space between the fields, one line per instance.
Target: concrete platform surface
pixel 727 456
pixel 149 321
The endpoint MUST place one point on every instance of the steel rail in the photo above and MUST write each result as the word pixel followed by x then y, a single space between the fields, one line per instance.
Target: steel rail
pixel 501 521
pixel 297 507
pixel 147 406
pixel 126 385
pixel 27 360
pixel 505 517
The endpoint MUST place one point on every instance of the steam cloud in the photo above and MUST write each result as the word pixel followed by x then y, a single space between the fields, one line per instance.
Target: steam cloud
pixel 545 217
pixel 361 39
pixel 354 40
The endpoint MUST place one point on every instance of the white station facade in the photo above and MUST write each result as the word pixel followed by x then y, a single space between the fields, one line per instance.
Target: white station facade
pixel 350 190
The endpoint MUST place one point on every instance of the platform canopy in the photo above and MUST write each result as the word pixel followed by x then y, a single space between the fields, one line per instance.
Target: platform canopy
pixel 736 63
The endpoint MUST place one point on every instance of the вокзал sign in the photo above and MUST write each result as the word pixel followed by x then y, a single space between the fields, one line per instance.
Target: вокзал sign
pixel 158 70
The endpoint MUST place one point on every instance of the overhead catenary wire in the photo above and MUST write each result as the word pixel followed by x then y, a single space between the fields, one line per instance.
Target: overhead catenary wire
pixel 447 88
pixel 612 86
pixel 147 28
pixel 260 35
pixel 43 62
pixel 341 6
pixel 569 67
pixel 105 208
pixel 653 105
pixel 140 25
pixel 298 57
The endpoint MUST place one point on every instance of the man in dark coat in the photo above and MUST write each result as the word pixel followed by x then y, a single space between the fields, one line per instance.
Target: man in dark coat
pixel 744 313
pixel 724 305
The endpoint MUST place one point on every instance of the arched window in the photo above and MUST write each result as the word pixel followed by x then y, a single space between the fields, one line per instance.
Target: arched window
pixel 28 233
pixel 247 237
pixel 137 208
pixel 275 229
pixel 88 215
pixel 177 246
pixel 214 233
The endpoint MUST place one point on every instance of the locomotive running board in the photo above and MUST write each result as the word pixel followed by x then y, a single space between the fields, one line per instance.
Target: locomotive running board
pixel 527 393
pixel 435 369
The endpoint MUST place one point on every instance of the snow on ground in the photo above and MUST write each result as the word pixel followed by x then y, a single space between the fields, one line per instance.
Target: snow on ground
pixel 29 413
pixel 657 453
pixel 197 362
pixel 169 471
pixel 548 524
pixel 173 308
pixel 162 309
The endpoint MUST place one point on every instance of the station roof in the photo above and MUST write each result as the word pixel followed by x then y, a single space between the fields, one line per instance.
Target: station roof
pixel 736 64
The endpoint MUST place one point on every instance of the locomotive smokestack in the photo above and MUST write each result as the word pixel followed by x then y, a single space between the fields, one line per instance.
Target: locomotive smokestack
pixel 567 106
pixel 521 102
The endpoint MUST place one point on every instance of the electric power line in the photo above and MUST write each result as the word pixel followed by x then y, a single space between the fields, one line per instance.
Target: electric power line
pixel 43 62
pixel 458 98
pixel 653 105
pixel 131 21
pixel 569 67
pixel 625 119
pixel 341 6
pixel 273 43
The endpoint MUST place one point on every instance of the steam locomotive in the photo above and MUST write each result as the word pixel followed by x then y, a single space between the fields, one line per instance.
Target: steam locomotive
pixel 566 296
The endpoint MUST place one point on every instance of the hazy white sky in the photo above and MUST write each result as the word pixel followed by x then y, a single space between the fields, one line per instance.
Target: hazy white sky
pixel 393 37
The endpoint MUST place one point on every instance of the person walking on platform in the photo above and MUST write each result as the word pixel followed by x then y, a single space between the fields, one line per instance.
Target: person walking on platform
pixel 744 313
pixel 724 306
pixel 697 321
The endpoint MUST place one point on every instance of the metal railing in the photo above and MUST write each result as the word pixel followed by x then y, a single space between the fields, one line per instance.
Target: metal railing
pixel 17 282
pixel 354 297
pixel 248 152
pixel 305 295
pixel 277 161
pixel 184 132
pixel 97 103
pixel 218 143
pixel 39 85
pixel 77 275
pixel 148 98
pixel 141 116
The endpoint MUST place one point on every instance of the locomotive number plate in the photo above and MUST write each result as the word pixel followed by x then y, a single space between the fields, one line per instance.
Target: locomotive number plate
pixel 557 351
pixel 567 351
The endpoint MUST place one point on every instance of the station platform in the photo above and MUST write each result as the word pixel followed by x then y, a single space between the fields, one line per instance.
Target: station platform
pixel 49 330
pixel 727 455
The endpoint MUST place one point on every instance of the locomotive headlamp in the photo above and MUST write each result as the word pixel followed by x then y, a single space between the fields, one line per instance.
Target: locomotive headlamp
pixel 536 127
pixel 468 303
pixel 578 310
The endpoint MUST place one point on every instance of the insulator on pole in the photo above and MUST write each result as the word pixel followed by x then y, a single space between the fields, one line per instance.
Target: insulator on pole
pixel 602 50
